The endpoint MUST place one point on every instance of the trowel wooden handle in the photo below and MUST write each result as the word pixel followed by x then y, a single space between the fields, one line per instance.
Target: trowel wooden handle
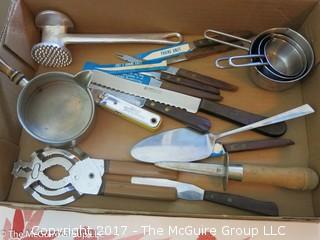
pixel 123 189
pixel 297 178
pixel 139 169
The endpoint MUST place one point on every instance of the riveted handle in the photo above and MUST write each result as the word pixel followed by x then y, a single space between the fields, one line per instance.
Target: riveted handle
pixel 296 178
pixel 244 203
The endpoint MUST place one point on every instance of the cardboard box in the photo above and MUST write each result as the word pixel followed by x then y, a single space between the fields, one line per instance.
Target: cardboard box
pixel 112 137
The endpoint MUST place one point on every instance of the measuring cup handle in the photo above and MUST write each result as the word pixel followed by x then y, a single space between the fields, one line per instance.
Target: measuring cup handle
pixel 14 75
pixel 209 31
pixel 233 63
pixel 223 63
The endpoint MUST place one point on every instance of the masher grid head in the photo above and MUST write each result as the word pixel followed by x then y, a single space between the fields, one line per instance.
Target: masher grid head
pixel 51 55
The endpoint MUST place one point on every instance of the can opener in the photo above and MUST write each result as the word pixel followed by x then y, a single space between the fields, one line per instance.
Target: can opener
pixel 85 175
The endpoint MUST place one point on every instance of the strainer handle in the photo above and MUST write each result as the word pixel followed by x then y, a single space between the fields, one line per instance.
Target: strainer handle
pixel 208 34
pixel 14 75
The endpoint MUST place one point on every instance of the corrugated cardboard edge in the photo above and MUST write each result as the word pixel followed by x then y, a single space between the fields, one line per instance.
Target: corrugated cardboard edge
pixel 120 212
pixel 20 33
pixel 311 86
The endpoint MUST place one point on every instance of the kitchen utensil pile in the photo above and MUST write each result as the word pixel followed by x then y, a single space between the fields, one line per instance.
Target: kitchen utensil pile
pixel 58 109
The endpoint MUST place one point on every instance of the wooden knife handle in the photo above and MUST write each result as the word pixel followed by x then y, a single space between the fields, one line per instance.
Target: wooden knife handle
pixel 189 83
pixel 133 168
pixel 256 144
pixel 242 117
pixel 206 80
pixel 191 91
pixel 123 189
pixel 192 120
pixel 244 203
pixel 296 178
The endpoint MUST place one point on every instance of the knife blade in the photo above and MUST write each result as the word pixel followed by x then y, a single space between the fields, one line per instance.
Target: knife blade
pixel 295 178
pixel 180 72
pixel 191 120
pixel 191 104
pixel 150 80
pixel 192 192
pixel 232 114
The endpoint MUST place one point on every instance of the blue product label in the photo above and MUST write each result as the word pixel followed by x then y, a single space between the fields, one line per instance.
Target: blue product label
pixel 164 53
pixel 122 68
pixel 135 77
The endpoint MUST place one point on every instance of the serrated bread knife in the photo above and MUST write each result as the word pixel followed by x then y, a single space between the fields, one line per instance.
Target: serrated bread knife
pixel 189 103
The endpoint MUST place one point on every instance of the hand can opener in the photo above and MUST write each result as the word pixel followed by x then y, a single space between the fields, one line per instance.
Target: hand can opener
pixel 85 175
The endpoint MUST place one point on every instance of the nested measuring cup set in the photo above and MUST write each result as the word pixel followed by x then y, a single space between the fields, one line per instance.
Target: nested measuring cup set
pixel 278 57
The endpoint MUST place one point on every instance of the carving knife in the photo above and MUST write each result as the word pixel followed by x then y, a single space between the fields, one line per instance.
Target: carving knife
pixel 192 192
pixel 295 178
pixel 234 115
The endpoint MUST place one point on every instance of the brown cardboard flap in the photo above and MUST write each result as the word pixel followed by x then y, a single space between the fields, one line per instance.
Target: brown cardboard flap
pixel 113 137
pixel 186 16
pixel 21 33
pixel 311 31
pixel 9 153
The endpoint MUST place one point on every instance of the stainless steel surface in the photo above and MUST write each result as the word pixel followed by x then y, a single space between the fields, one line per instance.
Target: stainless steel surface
pixel 280 53
pixel 209 33
pixel 55 108
pixel 51 51
pixel 191 104
pixel 179 145
pixel 184 145
pixel 235 172
pixel 184 190
pixel 260 76
pixel 284 56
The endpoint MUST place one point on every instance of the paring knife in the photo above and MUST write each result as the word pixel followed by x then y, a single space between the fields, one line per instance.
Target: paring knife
pixel 191 120
pixel 235 115
pixel 184 73
pixel 191 192
pixel 295 178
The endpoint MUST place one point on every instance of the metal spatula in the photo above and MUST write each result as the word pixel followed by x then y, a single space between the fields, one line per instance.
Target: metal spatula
pixel 185 145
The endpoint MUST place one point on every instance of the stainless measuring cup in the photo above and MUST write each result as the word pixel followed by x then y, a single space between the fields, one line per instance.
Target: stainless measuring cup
pixel 260 74
pixel 55 108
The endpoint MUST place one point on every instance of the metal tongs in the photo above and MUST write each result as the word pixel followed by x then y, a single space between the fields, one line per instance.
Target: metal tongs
pixel 85 175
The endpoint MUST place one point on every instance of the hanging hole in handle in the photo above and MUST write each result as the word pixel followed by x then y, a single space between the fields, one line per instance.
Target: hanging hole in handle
pixel 212 35
pixel 255 58
pixel 225 63
pixel 173 38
